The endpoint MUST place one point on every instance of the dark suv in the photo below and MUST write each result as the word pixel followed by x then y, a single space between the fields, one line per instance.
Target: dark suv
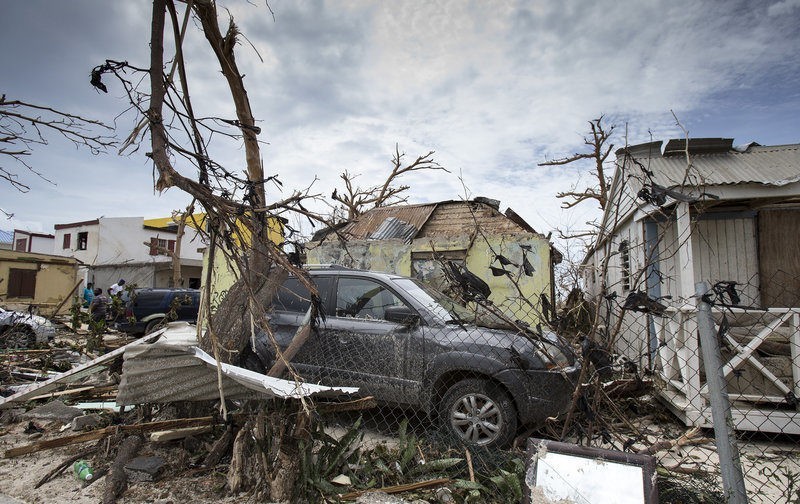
pixel 407 344
pixel 148 309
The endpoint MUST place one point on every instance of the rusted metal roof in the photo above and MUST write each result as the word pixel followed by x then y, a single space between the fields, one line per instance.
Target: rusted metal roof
pixel 777 165
pixel 371 221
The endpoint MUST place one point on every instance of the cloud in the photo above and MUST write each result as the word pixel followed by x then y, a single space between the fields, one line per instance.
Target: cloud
pixel 494 88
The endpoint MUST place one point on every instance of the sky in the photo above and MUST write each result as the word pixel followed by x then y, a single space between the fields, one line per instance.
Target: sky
pixel 494 88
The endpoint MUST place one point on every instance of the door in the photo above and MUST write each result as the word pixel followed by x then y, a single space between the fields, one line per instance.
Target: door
pixel 779 262
pixel 365 350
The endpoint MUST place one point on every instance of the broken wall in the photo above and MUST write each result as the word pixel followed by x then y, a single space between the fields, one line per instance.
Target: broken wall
pixel 517 293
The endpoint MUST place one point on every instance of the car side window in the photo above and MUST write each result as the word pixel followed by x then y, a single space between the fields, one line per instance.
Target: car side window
pixel 293 296
pixel 363 298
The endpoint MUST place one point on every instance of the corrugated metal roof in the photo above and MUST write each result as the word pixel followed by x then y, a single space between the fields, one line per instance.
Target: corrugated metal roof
pixel 371 221
pixel 769 165
pixel 394 228
pixel 6 236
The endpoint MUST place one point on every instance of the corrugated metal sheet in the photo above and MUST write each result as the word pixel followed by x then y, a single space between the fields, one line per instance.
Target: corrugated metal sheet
pixel 394 229
pixel 370 222
pixel 6 237
pixel 174 369
pixel 775 166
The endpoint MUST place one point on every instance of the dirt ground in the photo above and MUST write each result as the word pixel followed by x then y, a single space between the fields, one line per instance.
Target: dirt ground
pixel 18 476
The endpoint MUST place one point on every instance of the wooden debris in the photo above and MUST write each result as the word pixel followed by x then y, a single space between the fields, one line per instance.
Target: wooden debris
pixel 355 405
pixel 687 439
pixel 469 465
pixel 101 433
pixel 117 480
pixel 173 434
pixel 221 446
pixel 408 487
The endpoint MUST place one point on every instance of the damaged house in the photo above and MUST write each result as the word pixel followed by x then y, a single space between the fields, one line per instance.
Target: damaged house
pixel 683 213
pixel 504 251
pixel 132 248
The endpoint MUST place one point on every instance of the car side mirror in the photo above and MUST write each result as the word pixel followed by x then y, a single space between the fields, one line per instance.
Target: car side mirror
pixel 401 315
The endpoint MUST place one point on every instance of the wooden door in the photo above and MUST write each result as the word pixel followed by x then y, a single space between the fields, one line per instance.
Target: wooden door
pixel 779 257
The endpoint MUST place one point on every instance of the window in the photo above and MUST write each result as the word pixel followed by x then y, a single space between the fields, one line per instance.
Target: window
pixel 83 240
pixel 21 245
pixel 21 283
pixel 362 298
pixel 67 241
pixel 294 297
pixel 161 246
pixel 625 262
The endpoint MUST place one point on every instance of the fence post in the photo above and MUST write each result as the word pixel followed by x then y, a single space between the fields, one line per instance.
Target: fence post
pixel 730 466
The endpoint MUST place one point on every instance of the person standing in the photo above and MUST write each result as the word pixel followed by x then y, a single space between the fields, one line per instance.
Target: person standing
pixel 88 295
pixel 116 289
pixel 99 306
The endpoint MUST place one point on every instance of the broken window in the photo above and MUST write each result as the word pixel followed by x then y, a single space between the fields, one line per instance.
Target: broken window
pixel 427 266
pixel 83 240
pixel 21 245
pixel 21 283
pixel 362 298
pixel 67 241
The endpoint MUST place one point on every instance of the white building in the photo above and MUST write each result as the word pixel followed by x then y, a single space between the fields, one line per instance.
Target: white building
pixel 706 211
pixel 111 248
pixel 38 243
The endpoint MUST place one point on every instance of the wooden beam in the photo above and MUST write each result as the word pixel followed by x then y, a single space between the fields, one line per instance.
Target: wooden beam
pixel 101 433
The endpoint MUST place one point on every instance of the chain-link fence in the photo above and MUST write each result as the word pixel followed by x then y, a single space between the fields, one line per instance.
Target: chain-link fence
pixel 759 349
pixel 458 391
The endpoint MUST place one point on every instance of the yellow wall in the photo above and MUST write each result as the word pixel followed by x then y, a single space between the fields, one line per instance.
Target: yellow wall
pixel 223 275
pixel 520 302
pixel 55 278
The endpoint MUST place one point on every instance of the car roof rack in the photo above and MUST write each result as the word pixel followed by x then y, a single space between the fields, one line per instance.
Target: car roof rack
pixel 328 266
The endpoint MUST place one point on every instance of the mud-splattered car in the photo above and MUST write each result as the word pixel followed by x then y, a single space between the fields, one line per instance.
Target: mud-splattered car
pixel 407 344
pixel 23 330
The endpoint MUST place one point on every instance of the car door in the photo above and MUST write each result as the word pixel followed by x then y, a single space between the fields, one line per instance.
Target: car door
pixel 362 348
pixel 290 306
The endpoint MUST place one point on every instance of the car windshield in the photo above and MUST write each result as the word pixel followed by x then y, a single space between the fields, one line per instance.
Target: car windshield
pixel 444 307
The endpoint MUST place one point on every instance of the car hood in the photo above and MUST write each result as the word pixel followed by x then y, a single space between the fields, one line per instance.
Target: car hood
pixel 498 343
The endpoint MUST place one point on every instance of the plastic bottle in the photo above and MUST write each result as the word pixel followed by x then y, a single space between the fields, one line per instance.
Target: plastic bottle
pixel 83 471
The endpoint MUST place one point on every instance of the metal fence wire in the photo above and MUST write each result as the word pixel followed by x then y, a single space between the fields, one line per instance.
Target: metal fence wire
pixel 456 400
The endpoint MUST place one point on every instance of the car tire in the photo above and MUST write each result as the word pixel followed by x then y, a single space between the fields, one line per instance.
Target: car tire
pixel 479 412
pixel 154 325
pixel 18 337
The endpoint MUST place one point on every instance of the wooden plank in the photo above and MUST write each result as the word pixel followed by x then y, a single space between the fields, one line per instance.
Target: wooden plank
pixel 89 368
pixel 100 433
pixel 62 393
pixel 173 434
pixel 747 351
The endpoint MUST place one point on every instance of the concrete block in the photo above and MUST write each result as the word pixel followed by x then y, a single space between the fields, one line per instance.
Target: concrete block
pixel 86 422
pixel 144 468
pixel 54 410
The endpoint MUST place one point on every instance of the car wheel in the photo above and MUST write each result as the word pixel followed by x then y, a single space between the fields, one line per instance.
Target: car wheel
pixel 479 412
pixel 154 325
pixel 18 337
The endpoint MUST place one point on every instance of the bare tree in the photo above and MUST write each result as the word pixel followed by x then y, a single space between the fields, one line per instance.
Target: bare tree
pixel 25 125
pixel 237 216
pixel 599 150
pixel 356 200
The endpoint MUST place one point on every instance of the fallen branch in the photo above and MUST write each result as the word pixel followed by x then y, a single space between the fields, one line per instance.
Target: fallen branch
pixel 407 487
pixel 356 405
pixel 689 438
pixel 117 480
pixel 63 465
